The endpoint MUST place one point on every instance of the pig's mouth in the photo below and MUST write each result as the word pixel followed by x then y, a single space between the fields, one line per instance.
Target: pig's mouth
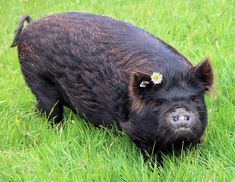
pixel 183 133
pixel 183 129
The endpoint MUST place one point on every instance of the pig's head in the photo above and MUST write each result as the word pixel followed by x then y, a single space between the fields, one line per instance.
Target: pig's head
pixel 170 113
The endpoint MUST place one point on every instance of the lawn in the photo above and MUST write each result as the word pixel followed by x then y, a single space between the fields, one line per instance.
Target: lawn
pixel 31 151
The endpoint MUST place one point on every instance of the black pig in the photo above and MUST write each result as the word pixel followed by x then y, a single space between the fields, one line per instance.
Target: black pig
pixel 111 72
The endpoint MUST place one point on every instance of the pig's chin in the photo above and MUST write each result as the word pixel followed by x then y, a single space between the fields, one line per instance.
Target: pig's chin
pixel 185 134
pixel 182 138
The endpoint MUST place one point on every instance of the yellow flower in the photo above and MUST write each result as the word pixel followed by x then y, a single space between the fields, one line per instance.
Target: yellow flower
pixel 156 78
pixel 150 12
pixel 18 122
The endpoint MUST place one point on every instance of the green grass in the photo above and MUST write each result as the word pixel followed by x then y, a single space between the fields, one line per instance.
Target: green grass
pixel 30 151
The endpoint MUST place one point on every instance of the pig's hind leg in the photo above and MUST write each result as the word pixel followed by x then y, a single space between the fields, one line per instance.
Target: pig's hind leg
pixel 49 101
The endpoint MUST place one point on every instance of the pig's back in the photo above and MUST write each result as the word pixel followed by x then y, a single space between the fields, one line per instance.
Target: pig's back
pixel 98 38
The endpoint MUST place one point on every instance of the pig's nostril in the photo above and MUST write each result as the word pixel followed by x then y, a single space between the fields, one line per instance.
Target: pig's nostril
pixel 186 117
pixel 176 118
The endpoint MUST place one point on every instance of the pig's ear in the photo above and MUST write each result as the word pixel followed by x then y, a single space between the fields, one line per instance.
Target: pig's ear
pixel 139 83
pixel 204 73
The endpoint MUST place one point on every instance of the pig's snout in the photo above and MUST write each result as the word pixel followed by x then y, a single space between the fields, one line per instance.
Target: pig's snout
pixel 180 118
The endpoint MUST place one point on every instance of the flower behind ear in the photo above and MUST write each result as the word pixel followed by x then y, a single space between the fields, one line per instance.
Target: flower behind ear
pixel 156 78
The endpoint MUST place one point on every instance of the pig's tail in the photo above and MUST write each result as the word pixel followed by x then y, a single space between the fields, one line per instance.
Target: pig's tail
pixel 19 29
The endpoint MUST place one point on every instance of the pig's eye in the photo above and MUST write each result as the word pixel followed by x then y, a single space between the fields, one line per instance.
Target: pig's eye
pixel 193 98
